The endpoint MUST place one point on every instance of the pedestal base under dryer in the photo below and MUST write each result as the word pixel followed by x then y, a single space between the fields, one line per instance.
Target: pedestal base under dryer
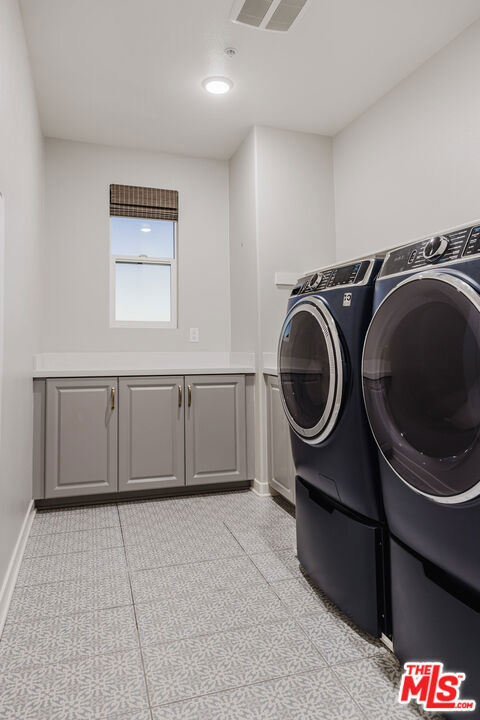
pixel 343 554
pixel 435 618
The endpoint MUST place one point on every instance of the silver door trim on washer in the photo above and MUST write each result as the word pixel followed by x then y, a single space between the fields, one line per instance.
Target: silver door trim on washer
pixel 317 434
pixel 466 290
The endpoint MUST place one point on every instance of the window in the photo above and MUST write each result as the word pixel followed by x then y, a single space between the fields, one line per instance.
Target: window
pixel 143 249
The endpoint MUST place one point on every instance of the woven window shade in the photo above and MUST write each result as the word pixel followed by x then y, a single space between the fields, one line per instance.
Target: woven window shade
pixel 143 202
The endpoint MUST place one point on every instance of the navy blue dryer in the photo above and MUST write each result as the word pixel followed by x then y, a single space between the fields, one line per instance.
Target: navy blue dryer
pixel 421 377
pixel 339 507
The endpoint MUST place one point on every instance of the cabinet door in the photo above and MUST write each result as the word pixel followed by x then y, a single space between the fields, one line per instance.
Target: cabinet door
pixel 151 433
pixel 215 429
pixel 81 437
pixel 281 470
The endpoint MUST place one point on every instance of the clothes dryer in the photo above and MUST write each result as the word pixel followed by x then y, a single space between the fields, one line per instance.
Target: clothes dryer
pixel 421 380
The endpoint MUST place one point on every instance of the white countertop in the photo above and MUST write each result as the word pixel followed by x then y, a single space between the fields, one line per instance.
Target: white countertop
pixel 140 372
pixel 53 365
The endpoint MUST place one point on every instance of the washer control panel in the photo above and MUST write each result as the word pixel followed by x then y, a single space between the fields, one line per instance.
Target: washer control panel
pixel 351 274
pixel 434 250
pixel 473 245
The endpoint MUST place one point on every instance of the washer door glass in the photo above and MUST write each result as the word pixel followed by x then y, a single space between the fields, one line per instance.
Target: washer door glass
pixel 310 369
pixel 421 379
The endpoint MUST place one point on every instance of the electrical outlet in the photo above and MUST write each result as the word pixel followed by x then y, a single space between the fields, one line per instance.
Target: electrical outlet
pixel 194 335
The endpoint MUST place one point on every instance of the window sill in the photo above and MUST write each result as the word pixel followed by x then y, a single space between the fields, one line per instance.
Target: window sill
pixel 141 325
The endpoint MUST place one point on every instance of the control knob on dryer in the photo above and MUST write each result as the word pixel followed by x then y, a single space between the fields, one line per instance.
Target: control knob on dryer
pixel 316 281
pixel 435 248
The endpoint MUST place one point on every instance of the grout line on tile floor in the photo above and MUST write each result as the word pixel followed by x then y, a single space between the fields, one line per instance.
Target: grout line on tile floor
pixel 187 592
pixel 199 562
pixel 300 627
pixel 274 582
pixel 247 626
pixel 69 532
pixel 309 614
pixel 224 523
pixel 280 549
pixel 29 669
pixel 346 688
pixel 128 715
pixel 78 578
pixel 178 564
pixel 52 618
pixel 147 690
pixel 365 657
pixel 68 552
pixel 323 668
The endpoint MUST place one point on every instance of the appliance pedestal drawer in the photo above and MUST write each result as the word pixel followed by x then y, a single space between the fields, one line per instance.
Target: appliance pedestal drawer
pixel 343 556
pixel 435 618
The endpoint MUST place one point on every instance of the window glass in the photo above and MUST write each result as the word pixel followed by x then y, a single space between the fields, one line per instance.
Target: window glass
pixel 138 236
pixel 142 292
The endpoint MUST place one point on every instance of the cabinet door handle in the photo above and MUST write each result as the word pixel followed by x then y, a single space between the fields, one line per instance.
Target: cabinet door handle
pixel 189 395
pixel 112 394
pixel 180 396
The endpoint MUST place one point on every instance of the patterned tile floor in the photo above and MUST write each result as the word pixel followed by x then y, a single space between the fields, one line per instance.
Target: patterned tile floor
pixel 190 608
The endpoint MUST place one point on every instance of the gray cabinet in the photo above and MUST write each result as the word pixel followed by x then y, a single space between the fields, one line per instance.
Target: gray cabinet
pixel 215 429
pixel 104 435
pixel 81 437
pixel 281 470
pixel 151 433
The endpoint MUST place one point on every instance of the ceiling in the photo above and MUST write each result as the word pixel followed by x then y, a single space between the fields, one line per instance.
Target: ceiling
pixel 129 72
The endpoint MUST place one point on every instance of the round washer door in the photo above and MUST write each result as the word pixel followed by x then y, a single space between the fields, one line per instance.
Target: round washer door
pixel 310 370
pixel 421 384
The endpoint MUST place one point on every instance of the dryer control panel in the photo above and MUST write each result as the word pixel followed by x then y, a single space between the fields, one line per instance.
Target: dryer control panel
pixel 352 274
pixel 438 249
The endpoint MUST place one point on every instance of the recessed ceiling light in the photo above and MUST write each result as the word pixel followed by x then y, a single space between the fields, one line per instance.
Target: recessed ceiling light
pixel 217 85
pixel 146 228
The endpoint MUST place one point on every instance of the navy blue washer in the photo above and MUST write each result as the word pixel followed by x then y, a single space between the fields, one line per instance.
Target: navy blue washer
pixel 421 377
pixel 340 520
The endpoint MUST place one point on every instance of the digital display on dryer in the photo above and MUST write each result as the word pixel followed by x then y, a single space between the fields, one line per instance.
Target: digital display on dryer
pixel 344 275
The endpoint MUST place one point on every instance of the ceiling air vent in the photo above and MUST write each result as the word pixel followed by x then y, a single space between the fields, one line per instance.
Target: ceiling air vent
pixel 276 15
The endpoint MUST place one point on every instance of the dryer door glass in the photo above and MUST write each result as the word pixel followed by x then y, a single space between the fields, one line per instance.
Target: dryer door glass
pixel 310 369
pixel 421 378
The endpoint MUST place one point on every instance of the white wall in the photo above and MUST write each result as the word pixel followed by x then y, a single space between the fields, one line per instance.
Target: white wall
pixel 243 247
pixel 296 229
pixel 21 178
pixel 281 220
pixel 76 278
pixel 411 164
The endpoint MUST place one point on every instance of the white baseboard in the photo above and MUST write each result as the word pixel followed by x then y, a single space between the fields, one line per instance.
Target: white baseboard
pixel 263 489
pixel 11 575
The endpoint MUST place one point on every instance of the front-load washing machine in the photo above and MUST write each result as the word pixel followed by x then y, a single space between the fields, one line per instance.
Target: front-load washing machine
pixel 340 531
pixel 421 380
